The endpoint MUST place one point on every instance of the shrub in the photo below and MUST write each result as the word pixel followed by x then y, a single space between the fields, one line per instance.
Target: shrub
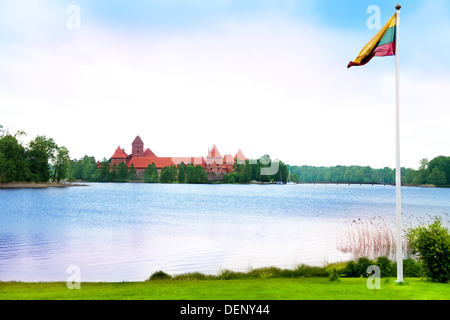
pixel 230 275
pixel 413 268
pixel 334 276
pixel 160 275
pixel 349 270
pixel 310 271
pixel 361 266
pixel 267 272
pixel 432 244
pixel 191 276
pixel 386 267
pixel 356 269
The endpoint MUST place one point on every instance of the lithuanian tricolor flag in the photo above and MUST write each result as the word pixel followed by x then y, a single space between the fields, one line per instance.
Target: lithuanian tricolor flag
pixel 382 45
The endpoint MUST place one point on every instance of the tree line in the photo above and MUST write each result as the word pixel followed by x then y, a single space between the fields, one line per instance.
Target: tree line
pixel 344 174
pixel 435 172
pixel 40 161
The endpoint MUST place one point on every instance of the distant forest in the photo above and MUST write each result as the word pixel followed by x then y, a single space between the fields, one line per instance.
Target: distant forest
pixel 435 172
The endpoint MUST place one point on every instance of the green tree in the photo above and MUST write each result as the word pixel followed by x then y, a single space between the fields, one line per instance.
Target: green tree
pixel 244 172
pixel 76 170
pixel 410 176
pixel 432 244
pixel 132 173
pixel 103 171
pixel 84 169
pixel 14 165
pixel 441 163
pixel 182 173
pixel 437 177
pixel 421 176
pixel 41 150
pixel 89 168
pixel 112 174
pixel 168 174
pixel 150 174
pixel 122 172
pixel 283 172
pixel 196 174
pixel 61 165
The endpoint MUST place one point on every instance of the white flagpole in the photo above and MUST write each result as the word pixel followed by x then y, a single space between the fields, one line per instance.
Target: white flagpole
pixel 398 178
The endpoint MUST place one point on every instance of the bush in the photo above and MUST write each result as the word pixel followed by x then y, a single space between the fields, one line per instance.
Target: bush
pixel 160 275
pixel 231 275
pixel 193 276
pixel 349 270
pixel 413 268
pixel 387 268
pixel 359 268
pixel 308 271
pixel 266 272
pixel 432 244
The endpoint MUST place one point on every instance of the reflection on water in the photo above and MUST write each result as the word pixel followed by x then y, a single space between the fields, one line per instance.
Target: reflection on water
pixel 125 232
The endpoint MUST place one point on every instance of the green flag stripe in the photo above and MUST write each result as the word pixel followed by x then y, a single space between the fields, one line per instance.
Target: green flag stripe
pixel 388 37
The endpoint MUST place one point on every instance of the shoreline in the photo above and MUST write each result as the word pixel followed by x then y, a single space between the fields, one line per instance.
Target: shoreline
pixel 33 185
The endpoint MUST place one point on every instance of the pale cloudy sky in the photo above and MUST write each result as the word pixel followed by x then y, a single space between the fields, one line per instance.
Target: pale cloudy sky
pixel 264 76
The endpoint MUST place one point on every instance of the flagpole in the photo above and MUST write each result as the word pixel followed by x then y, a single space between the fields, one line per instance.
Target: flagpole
pixel 398 179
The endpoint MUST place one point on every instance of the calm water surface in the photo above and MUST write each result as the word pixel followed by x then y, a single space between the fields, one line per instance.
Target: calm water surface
pixel 125 232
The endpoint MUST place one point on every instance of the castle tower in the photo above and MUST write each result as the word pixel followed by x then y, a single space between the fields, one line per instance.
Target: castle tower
pixel 214 156
pixel 119 156
pixel 137 148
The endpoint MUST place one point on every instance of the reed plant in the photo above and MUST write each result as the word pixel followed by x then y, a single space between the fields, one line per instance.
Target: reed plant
pixel 370 238
pixel 374 237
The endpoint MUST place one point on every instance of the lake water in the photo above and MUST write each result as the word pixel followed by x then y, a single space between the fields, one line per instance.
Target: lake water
pixel 125 232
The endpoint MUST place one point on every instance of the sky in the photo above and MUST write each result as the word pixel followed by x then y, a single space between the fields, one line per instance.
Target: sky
pixel 266 77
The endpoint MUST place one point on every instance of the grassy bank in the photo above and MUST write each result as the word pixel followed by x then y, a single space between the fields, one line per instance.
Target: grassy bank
pixel 247 289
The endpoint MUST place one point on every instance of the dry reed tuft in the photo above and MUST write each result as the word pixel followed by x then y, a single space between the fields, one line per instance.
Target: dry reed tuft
pixel 371 238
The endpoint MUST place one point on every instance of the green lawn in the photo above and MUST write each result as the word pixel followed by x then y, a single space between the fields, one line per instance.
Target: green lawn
pixel 247 289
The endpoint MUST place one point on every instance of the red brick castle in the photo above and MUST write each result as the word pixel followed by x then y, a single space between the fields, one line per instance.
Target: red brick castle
pixel 214 164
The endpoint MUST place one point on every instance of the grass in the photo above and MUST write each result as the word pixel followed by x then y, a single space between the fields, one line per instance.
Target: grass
pixel 237 289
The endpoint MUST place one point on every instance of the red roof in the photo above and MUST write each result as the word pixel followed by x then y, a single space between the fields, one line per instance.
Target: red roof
pixel 119 154
pixel 239 155
pixel 214 153
pixel 137 140
pixel 144 162
pixel 228 159
pixel 149 153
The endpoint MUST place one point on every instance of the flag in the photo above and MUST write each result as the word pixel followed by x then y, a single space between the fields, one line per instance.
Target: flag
pixel 382 45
